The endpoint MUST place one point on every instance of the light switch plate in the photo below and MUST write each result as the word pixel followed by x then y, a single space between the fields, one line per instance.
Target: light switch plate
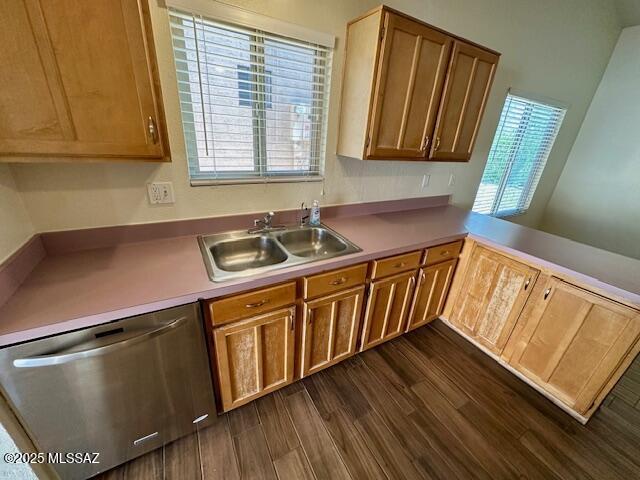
pixel 160 192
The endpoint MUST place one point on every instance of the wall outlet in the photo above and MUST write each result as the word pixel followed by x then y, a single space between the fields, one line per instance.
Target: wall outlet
pixel 425 181
pixel 160 192
pixel 452 180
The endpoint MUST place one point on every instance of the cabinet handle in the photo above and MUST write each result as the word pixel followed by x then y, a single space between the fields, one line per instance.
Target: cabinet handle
pixel 153 131
pixel 437 144
pixel 338 281
pixel 400 265
pixel 445 253
pixel 412 280
pixel 257 304
pixel 425 142
pixel 547 292
pixel 526 284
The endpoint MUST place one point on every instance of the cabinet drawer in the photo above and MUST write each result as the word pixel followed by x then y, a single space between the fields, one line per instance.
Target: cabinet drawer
pixel 442 253
pixel 252 303
pixel 329 282
pixel 397 264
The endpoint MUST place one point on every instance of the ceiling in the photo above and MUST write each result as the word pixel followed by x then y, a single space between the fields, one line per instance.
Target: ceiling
pixel 629 12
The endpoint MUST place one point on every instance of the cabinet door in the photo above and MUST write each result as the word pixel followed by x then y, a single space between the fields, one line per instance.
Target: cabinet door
pixel 409 80
pixel 431 292
pixel 573 342
pixel 330 329
pixel 466 90
pixel 387 309
pixel 493 293
pixel 254 356
pixel 79 79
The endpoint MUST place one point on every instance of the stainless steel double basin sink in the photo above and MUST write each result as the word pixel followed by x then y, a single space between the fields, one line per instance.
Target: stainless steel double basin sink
pixel 239 254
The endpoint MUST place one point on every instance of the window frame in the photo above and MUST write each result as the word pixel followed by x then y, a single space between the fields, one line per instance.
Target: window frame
pixel 528 191
pixel 235 16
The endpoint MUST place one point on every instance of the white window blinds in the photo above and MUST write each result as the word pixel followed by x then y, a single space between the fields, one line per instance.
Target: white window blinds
pixel 254 104
pixel 524 138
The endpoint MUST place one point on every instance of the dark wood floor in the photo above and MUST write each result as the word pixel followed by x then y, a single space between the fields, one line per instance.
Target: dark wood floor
pixel 427 405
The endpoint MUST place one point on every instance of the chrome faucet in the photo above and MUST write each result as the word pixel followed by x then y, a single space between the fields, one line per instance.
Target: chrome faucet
pixel 264 224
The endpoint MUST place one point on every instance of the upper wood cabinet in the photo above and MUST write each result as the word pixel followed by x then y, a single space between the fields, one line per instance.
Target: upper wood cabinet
pixel 330 329
pixel 254 356
pixel 573 343
pixel 492 295
pixel 79 80
pixel 469 79
pixel 411 91
pixel 408 85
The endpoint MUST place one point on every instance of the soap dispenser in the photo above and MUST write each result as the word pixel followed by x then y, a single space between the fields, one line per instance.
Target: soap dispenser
pixel 314 217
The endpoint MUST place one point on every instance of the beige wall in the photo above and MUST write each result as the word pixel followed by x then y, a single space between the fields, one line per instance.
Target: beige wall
pixel 15 224
pixel 597 200
pixel 551 48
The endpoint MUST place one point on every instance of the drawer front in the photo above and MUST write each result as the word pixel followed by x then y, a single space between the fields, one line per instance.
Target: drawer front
pixel 397 264
pixel 252 303
pixel 442 253
pixel 336 280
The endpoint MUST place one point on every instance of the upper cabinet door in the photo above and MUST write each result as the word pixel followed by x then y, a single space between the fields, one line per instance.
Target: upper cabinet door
pixel 409 81
pixel 79 80
pixel 465 94
pixel 573 342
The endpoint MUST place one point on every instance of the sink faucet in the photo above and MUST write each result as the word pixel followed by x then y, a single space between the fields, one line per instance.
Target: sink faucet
pixel 264 224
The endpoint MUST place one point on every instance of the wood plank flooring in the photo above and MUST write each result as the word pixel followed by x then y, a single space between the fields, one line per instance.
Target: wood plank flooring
pixel 427 405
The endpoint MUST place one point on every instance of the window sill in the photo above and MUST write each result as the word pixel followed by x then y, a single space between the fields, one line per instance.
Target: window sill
pixel 256 180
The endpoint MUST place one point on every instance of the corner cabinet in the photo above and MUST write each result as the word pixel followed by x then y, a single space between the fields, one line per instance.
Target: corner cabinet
pixel 411 91
pixel 79 80
pixel 573 342
pixel 494 291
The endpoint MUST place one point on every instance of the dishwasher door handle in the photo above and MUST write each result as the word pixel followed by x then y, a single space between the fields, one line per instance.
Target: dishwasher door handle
pixel 61 358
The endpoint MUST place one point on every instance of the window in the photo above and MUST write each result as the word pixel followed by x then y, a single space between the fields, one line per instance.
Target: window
pixel 245 90
pixel 254 104
pixel 524 138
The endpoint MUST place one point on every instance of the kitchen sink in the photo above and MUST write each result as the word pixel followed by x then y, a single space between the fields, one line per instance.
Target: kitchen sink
pixel 238 254
pixel 247 253
pixel 310 242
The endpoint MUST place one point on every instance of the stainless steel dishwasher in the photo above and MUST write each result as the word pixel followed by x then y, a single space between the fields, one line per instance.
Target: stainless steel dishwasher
pixel 120 389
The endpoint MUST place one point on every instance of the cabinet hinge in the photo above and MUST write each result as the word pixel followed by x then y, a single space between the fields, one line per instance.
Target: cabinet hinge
pixel 367 142
pixel 382 34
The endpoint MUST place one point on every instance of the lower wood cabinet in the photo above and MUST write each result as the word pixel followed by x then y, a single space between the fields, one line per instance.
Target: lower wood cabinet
pixel 494 291
pixel 387 308
pixel 330 329
pixel 573 342
pixel 430 293
pixel 254 356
